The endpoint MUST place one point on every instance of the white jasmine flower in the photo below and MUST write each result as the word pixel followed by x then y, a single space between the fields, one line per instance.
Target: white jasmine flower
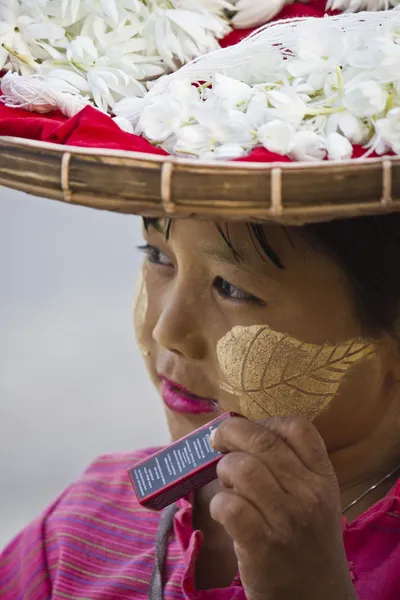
pixel 317 124
pixel 186 93
pixel 225 152
pixel 138 39
pixel 307 146
pixel 257 109
pixel 200 27
pixel 110 10
pixel 307 89
pixel 66 77
pixel 277 136
pixel 230 152
pixel 105 85
pixel 338 147
pixel 232 92
pixel 287 105
pixel 388 130
pixel 356 5
pixel 350 126
pixel 129 109
pixel 266 64
pixel 163 117
pixel 197 140
pixel 282 138
pixel 71 9
pixel 69 12
pixel 192 140
pixel 127 35
pixel 31 4
pixel 179 35
pixel 181 97
pixel 226 127
pixel 365 99
pixel 320 48
pixel 124 124
pixel 108 86
pixel 252 13
pixel 388 53
pixel 286 114
pixel 20 35
pixel 166 42
pixel 82 50
pixel 365 54
pixel 213 6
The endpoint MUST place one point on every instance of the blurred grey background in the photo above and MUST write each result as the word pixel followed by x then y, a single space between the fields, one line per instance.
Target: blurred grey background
pixel 72 381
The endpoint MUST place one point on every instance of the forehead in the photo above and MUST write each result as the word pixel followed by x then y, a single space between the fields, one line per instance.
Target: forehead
pixel 254 245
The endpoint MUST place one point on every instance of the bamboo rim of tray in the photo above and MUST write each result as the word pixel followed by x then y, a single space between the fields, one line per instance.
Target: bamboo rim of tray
pixel 152 185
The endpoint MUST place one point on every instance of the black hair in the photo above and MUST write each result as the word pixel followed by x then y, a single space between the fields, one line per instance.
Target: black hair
pixel 366 248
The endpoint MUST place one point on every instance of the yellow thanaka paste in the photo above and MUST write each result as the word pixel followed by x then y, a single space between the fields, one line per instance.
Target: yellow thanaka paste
pixel 274 374
pixel 140 306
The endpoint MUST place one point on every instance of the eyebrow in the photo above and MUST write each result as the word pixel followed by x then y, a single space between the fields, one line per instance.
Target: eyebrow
pixel 228 253
pixel 225 254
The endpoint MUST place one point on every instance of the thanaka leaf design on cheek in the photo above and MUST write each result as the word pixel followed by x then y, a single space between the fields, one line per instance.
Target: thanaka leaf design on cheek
pixel 275 374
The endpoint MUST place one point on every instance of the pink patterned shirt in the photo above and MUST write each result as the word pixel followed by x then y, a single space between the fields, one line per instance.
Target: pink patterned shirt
pixel 96 542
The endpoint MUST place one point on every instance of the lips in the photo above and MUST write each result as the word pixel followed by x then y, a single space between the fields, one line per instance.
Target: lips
pixel 179 399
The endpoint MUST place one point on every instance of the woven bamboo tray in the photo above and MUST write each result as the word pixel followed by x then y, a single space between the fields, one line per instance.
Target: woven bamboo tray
pixel 144 184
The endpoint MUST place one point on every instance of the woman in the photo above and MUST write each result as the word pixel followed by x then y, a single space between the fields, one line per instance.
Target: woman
pixel 296 329
pixel 303 321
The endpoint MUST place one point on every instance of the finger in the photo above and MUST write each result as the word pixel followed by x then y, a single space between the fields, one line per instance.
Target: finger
pixel 241 520
pixel 266 439
pixel 248 476
pixel 305 441
pixel 245 436
pixel 258 440
pixel 251 538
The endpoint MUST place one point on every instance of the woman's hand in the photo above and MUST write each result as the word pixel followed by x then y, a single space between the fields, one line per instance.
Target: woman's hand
pixel 280 503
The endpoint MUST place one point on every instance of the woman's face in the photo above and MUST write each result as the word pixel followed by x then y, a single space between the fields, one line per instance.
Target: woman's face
pixel 228 330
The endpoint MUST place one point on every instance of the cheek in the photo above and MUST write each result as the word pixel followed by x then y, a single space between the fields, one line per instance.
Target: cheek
pixel 274 374
pixel 358 408
pixel 140 309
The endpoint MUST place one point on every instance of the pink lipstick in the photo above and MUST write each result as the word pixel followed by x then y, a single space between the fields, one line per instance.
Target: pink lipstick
pixel 181 400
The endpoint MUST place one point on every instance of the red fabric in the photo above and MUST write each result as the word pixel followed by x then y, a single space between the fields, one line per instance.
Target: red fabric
pixel 89 128
pixel 359 151
pixel 316 8
pixel 261 154
pixel 93 129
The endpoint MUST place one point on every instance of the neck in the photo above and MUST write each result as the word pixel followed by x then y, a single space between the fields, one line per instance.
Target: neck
pixel 364 463
pixel 357 500
pixel 358 469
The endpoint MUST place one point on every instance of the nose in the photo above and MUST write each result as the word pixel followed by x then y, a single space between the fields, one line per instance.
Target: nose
pixel 178 325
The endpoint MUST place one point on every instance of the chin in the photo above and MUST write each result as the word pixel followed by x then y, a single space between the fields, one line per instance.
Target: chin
pixel 181 424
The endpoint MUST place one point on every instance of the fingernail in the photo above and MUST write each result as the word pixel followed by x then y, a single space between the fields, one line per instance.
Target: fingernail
pixel 212 437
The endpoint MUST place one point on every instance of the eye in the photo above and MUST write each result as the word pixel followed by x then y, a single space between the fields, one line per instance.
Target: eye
pixel 155 255
pixel 231 292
